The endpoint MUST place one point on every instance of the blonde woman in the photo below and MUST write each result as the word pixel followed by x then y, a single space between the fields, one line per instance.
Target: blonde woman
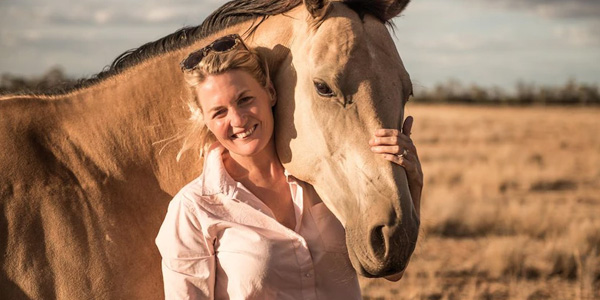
pixel 244 229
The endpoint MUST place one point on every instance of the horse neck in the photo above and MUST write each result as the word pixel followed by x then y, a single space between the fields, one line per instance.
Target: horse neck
pixel 127 125
pixel 113 129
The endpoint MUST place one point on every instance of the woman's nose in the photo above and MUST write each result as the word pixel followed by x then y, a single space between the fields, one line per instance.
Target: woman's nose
pixel 238 118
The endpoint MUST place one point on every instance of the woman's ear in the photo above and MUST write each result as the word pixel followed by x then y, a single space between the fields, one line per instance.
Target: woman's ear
pixel 272 94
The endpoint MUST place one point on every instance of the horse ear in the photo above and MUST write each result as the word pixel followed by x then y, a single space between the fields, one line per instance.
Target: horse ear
pixel 394 8
pixel 317 8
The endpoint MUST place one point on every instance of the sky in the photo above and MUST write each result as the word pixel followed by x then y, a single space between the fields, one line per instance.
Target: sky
pixel 484 42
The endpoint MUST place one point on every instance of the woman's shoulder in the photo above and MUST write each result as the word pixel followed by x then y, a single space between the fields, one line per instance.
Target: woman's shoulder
pixel 192 190
pixel 191 206
pixel 193 195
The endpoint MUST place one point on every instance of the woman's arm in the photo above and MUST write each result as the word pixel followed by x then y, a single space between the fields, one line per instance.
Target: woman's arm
pixel 397 147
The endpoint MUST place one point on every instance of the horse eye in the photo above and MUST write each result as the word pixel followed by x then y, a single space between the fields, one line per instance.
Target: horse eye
pixel 323 89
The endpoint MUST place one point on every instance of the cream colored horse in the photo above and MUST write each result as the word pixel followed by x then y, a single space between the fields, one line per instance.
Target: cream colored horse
pixel 84 185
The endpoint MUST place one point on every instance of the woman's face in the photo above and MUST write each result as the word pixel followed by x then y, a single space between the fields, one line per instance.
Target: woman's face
pixel 237 110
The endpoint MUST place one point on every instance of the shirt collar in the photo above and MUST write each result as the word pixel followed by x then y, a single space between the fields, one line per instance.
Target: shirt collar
pixel 289 177
pixel 215 179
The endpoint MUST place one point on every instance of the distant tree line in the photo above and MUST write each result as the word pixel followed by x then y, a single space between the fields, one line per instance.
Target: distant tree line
pixel 570 93
pixel 53 80
pixel 452 91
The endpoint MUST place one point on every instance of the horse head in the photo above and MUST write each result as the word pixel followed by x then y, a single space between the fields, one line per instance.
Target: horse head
pixel 350 81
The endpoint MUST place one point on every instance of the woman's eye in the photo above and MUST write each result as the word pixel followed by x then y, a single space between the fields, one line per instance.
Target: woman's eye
pixel 218 114
pixel 323 89
pixel 245 100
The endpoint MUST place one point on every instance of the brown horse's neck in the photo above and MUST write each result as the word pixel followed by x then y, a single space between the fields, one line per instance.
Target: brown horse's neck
pixel 131 122
pixel 113 128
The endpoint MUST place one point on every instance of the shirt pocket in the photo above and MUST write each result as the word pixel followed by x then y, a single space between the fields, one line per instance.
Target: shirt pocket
pixel 331 230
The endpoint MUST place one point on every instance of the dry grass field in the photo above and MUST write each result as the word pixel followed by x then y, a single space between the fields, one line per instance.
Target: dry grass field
pixel 511 205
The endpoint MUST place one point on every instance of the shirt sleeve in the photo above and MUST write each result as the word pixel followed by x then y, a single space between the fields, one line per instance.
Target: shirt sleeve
pixel 188 259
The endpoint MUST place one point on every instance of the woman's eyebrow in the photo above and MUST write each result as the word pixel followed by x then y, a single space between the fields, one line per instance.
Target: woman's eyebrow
pixel 215 108
pixel 242 94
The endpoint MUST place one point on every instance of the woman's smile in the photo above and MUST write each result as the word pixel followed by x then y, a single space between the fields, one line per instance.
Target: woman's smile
pixel 245 134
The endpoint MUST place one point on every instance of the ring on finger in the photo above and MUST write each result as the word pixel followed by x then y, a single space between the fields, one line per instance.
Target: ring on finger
pixel 403 154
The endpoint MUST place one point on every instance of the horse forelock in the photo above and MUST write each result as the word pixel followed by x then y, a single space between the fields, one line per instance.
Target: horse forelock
pixel 380 9
pixel 375 8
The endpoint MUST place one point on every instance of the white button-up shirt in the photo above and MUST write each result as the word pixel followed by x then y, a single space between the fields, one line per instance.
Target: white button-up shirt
pixel 219 241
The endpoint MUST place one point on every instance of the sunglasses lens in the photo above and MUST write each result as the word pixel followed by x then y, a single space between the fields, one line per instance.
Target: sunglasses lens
pixel 223 44
pixel 193 59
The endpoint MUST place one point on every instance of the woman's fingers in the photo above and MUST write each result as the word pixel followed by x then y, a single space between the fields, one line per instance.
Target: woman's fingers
pixel 385 140
pixel 389 139
pixel 394 150
pixel 405 161
pixel 392 145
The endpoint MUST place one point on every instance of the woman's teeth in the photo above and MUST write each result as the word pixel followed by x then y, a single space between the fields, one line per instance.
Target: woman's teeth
pixel 245 133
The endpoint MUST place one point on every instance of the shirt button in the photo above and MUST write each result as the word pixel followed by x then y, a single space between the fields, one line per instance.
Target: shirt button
pixel 308 275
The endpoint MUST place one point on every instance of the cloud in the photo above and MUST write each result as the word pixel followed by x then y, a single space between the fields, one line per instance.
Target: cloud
pixel 573 9
pixel 86 35
pixel 579 35
pixel 93 13
pixel 149 15
pixel 31 22
pixel 579 23
pixel 465 43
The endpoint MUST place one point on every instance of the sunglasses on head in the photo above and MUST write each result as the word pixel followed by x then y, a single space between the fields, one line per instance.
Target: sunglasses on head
pixel 220 45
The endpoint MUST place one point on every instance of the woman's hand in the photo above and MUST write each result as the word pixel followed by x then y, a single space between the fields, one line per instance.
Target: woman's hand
pixel 398 148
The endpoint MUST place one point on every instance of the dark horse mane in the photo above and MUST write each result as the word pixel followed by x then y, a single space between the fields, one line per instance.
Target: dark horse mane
pixel 231 13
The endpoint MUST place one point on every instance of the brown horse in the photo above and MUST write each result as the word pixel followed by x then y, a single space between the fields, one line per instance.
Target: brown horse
pixel 84 184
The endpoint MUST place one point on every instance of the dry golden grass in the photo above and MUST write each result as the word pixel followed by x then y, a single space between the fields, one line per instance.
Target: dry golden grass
pixel 511 205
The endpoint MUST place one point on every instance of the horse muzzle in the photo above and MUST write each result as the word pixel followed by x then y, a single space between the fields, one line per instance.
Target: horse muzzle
pixel 382 246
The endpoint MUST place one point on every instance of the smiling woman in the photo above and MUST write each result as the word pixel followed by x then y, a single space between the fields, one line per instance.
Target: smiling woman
pixel 246 229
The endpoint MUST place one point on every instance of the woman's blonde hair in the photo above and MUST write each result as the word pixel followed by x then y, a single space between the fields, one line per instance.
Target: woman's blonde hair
pixel 197 137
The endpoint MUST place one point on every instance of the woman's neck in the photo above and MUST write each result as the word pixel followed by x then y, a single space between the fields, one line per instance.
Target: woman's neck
pixel 263 167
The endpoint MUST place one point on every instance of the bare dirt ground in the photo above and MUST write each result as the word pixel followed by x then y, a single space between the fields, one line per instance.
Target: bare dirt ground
pixel 511 205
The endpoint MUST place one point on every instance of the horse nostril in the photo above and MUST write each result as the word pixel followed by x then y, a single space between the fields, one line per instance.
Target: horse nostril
pixel 378 242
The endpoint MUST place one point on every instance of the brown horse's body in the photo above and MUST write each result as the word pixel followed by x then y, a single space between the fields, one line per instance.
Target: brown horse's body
pixel 85 179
